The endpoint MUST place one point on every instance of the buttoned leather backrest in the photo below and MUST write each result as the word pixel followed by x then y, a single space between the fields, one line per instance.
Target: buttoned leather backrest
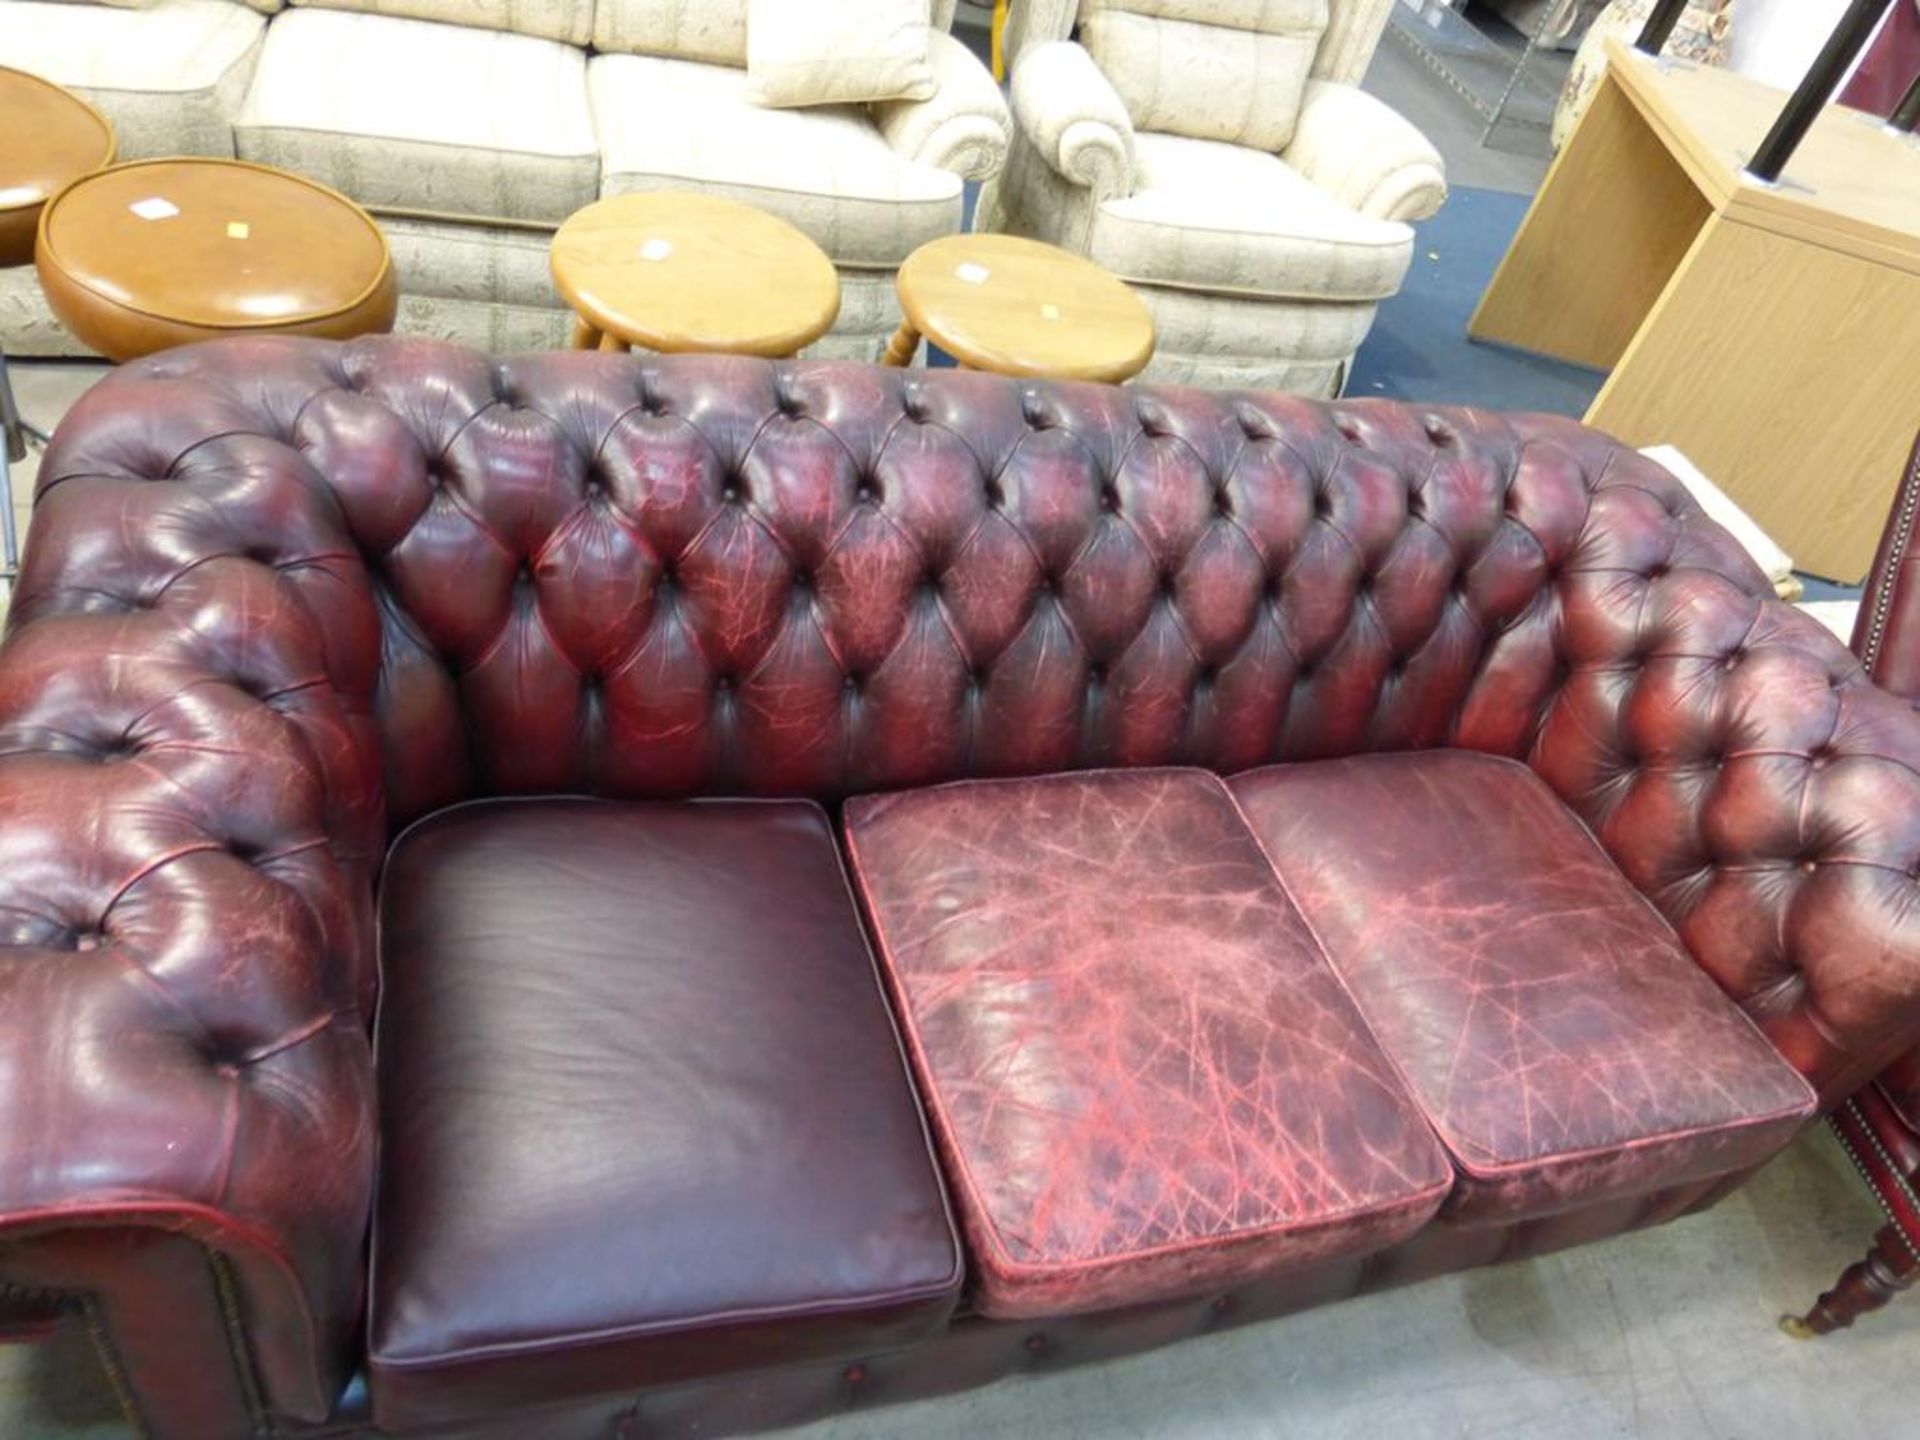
pixel 668 577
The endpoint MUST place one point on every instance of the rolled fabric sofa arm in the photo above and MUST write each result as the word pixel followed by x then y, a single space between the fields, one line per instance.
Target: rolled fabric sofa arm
pixel 1069 112
pixel 963 126
pixel 1365 154
pixel 190 816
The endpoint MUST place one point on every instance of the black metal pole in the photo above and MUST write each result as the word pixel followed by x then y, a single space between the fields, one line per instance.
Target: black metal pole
pixel 1906 115
pixel 1849 37
pixel 1660 22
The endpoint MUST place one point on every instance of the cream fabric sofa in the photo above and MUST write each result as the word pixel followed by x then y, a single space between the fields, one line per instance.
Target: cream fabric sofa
pixel 473 127
pixel 1217 155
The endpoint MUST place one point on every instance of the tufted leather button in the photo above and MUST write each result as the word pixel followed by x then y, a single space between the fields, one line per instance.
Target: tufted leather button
pixel 1222 503
pixel 854 1374
pixel 866 493
pixel 730 493
pixel 803 581
pixel 1109 498
pixel 1322 505
pixel 851 683
pixel 977 677
pixel 1347 427
pixel 1437 430
pixel 996 497
pixel 913 403
pixel 1030 410
pixel 1657 572
pixel 1097 673
pixel 723 684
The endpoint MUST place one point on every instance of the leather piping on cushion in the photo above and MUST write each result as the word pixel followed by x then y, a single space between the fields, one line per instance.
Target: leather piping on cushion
pixel 1321 861
pixel 1009 1285
pixel 977 1351
pixel 403 1408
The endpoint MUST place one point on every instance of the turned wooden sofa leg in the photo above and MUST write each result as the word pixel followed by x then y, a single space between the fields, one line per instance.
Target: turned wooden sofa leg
pixel 1865 1286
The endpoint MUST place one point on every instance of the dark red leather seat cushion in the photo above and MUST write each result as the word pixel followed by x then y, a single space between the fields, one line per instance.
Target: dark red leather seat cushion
pixel 1565 1046
pixel 1146 1079
pixel 645 1115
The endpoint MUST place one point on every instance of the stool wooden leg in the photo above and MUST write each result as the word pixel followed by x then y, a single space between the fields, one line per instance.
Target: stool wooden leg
pixel 900 349
pixel 1867 1285
pixel 585 336
pixel 613 343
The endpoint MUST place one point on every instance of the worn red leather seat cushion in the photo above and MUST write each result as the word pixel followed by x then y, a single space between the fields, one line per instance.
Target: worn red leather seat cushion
pixel 1565 1046
pixel 645 1115
pixel 1145 1077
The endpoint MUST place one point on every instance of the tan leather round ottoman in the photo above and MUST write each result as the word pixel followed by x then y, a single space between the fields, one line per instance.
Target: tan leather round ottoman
pixel 156 253
pixel 52 138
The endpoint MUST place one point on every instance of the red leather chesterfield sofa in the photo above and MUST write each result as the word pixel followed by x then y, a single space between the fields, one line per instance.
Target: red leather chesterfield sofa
pixel 1879 1127
pixel 890 878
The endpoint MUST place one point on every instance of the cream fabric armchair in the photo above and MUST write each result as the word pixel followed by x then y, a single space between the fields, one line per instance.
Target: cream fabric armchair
pixel 1217 156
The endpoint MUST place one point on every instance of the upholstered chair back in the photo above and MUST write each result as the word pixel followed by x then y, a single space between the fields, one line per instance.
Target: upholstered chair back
pixel 1219 51
pixel 1230 70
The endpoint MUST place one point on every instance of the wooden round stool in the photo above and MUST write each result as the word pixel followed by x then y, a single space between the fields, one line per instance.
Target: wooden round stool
pixel 678 271
pixel 53 138
pixel 1018 307
pixel 156 253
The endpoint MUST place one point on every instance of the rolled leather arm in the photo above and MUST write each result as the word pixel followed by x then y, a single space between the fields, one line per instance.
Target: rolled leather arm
pixel 963 126
pixel 1731 755
pixel 1069 112
pixel 1361 150
pixel 190 814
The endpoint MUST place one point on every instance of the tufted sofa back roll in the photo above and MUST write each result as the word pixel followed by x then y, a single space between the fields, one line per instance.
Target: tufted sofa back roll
pixel 653 577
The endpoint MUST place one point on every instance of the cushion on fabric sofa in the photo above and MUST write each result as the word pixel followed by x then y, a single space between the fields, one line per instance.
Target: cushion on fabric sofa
pixel 664 124
pixel 1233 220
pixel 1566 1047
pixel 425 116
pixel 568 21
pixel 170 78
pixel 645 1114
pixel 1146 1080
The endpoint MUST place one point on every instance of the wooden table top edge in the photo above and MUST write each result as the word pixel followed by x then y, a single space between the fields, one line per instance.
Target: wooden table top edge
pixel 1783 207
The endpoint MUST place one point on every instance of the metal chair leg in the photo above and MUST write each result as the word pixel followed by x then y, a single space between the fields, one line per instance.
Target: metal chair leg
pixel 15 434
